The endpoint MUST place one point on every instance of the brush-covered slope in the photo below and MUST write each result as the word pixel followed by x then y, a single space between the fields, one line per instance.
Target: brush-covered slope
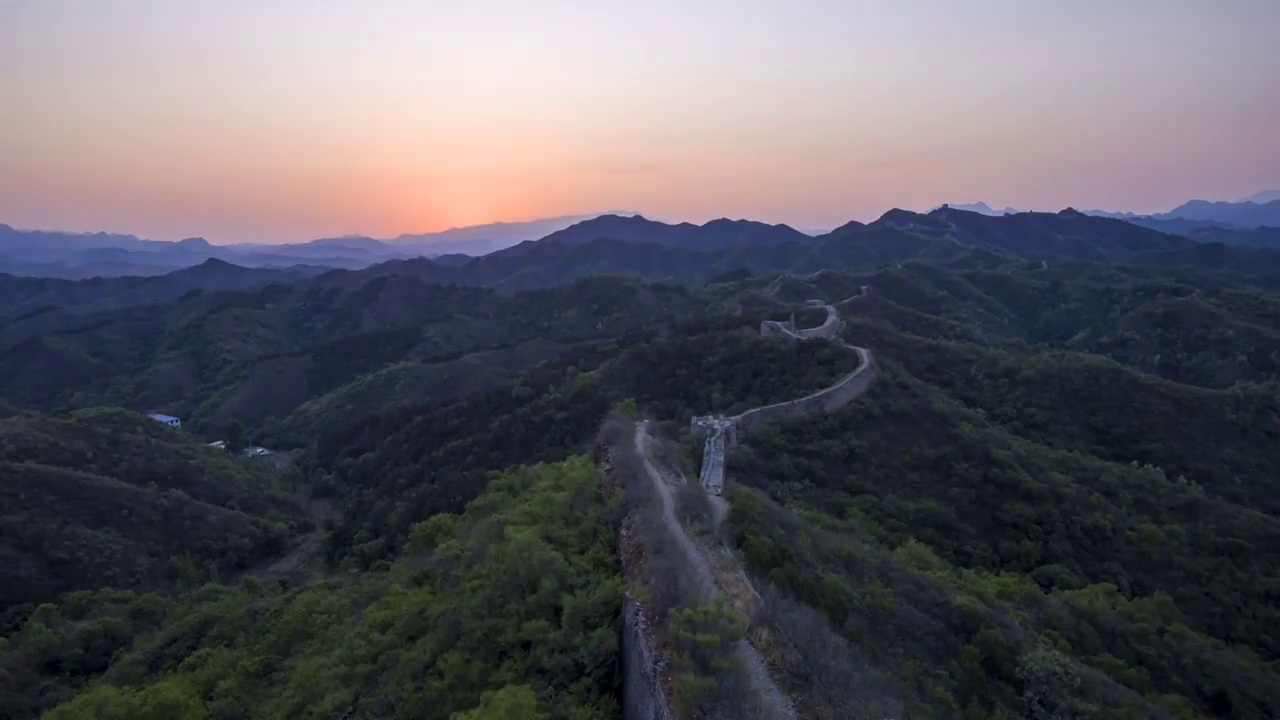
pixel 108 498
pixel 262 354
pixel 506 609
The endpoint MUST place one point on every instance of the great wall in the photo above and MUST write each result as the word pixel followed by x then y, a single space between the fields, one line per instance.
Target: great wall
pixel 643 694
pixel 643 697
pixel 722 433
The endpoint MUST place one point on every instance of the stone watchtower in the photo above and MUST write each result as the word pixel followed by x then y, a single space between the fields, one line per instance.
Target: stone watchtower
pixel 785 329
pixel 721 433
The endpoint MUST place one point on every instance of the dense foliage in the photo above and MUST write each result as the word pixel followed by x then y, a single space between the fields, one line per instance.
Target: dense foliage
pixel 509 604
pixel 310 348
pixel 104 497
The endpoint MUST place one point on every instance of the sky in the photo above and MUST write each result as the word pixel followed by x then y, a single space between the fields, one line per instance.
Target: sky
pixel 283 120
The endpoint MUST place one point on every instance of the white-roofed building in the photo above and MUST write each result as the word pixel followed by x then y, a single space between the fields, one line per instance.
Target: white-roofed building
pixel 169 420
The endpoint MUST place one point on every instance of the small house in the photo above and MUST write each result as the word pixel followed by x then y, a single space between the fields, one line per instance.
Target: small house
pixel 169 420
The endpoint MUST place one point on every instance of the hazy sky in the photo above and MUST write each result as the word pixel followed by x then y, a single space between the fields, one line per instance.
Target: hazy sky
pixel 288 120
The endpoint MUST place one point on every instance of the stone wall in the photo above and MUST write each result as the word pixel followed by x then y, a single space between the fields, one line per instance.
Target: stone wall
pixel 784 329
pixel 722 433
pixel 830 328
pixel 642 695
pixel 825 400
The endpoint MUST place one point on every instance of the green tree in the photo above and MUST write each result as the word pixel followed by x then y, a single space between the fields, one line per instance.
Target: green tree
pixel 1050 684
pixel 513 702
pixel 627 406
pixel 702 656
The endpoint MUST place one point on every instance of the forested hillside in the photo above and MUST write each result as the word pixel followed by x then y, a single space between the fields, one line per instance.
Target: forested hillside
pixel 1056 500
pixel 107 498
pixel 259 356
pixel 992 495
pixel 506 610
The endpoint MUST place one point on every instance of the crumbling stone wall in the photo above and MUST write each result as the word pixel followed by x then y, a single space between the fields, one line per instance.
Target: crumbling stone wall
pixel 642 694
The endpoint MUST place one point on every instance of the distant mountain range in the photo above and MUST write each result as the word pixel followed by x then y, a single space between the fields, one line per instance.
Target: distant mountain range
pixel 714 235
pixel 1261 209
pixel 1246 214
pixel 1264 196
pixel 687 254
pixel 64 334
pixel 1252 222
pixel 73 256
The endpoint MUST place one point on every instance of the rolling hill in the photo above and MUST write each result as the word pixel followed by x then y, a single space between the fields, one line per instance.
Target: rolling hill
pixel 104 497
pixel 261 354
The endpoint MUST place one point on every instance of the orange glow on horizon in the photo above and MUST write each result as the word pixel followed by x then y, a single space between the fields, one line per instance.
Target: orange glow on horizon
pixel 266 123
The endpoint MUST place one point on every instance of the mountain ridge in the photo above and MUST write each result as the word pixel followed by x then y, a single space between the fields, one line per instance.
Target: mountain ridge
pixel 71 255
pixel 690 255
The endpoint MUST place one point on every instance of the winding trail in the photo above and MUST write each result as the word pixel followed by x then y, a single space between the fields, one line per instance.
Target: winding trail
pixel 663 485
pixel 722 432
pixel 773 700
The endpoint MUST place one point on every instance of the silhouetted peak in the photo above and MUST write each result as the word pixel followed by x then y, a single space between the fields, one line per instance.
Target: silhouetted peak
pixel 849 227
pixel 1070 212
pixel 614 220
pixel 212 269
pixel 899 216
pixel 722 221
pixel 215 263
pixel 194 242
pixel 725 222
